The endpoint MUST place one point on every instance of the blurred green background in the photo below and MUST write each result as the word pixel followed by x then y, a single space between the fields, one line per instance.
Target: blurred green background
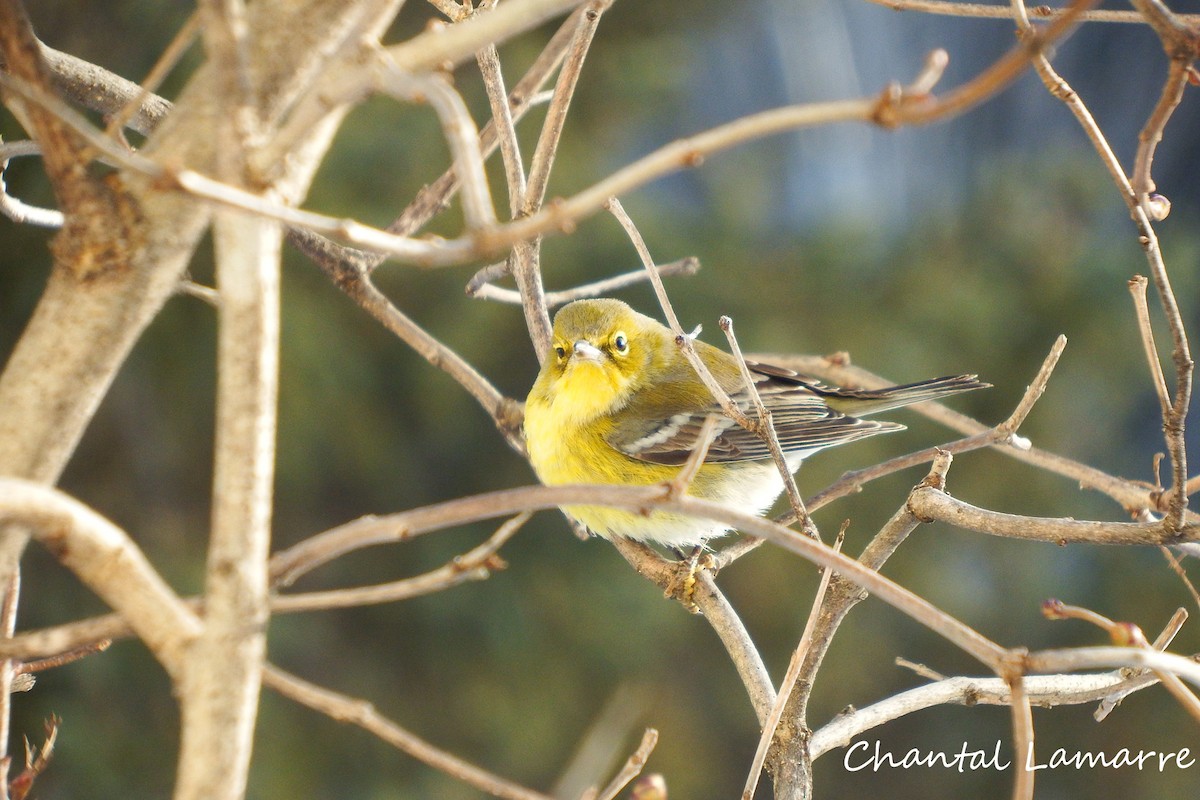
pixel 963 247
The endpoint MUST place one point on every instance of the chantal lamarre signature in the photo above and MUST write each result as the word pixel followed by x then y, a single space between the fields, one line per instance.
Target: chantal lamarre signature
pixel 862 756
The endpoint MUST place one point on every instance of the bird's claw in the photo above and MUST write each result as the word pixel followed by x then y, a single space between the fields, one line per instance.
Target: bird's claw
pixel 683 585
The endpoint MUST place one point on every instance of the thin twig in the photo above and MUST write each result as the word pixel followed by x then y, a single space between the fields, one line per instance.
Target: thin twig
pixel 1141 211
pixel 766 431
pixel 1161 643
pixel 460 133
pixel 790 677
pixel 932 504
pixel 1172 628
pixel 167 61
pixel 1046 690
pixel 364 714
pixel 632 767
pixel 1180 44
pixel 1002 12
pixel 704 439
pixel 20 212
pixel 526 255
pixel 64 658
pixel 502 120
pixel 477 564
pixel 683 340
pixel 481 285
pixel 1022 722
pixel 200 292
pixel 1173 422
pixel 1177 568
pixel 920 669
pixel 504 411
pixel 556 115
pixel 1126 633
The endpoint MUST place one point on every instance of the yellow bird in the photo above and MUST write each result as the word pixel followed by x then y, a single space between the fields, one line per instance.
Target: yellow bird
pixel 616 402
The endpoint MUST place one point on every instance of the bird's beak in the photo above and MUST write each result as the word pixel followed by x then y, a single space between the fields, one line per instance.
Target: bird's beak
pixel 586 351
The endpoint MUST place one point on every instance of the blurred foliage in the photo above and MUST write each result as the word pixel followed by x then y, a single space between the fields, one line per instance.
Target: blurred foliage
pixel 510 673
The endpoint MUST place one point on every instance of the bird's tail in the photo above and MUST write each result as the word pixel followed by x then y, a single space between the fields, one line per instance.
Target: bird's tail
pixel 859 402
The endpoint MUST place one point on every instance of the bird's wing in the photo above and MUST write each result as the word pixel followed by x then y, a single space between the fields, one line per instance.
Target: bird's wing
pixel 803 424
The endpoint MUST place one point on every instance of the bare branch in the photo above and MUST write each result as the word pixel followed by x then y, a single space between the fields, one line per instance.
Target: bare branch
pixel 1077 658
pixel 477 564
pixel 162 67
pixel 438 49
pixel 792 756
pixel 526 268
pixel 105 559
pixel 1002 12
pixel 1161 642
pixel 220 687
pixel 556 115
pixel 19 212
pixel 931 504
pixel 504 125
pixel 1177 40
pixel 98 89
pixel 481 285
pixel 766 430
pixel 459 130
pixel 1137 288
pixel 1022 722
pixel 632 767
pixel 1125 633
pixel 88 634
pixel 506 413
pixel 373 531
pixel 1049 690
pixel 799 656
pixel 61 659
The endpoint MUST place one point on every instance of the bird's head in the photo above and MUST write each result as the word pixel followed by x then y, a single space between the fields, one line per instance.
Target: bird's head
pixel 601 353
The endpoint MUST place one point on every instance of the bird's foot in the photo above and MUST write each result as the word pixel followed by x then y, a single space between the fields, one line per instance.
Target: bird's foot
pixel 683 585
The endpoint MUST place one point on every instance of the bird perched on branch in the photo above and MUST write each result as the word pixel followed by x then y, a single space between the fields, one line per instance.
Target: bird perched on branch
pixel 617 402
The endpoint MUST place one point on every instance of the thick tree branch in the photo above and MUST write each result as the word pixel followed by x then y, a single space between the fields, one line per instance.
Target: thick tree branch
pixel 109 563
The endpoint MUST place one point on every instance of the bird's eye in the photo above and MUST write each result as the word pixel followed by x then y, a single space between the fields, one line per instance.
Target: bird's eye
pixel 621 343
pixel 560 351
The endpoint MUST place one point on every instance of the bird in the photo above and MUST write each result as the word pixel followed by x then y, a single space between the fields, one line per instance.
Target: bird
pixel 617 402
